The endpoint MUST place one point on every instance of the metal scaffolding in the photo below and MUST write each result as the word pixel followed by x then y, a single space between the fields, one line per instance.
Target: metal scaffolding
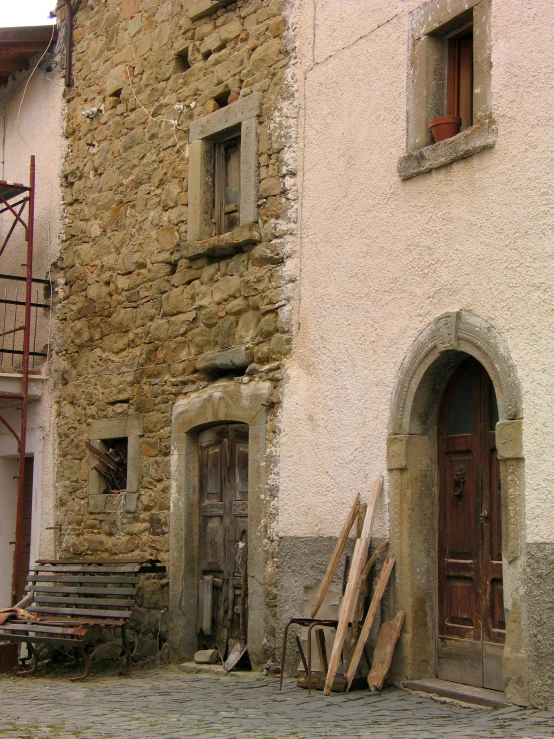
pixel 18 202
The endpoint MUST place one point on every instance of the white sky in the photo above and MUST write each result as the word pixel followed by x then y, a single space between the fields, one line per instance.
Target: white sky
pixel 25 12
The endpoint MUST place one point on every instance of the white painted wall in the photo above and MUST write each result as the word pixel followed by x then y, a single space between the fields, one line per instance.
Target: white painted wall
pixel 381 258
pixel 31 123
pixel 8 499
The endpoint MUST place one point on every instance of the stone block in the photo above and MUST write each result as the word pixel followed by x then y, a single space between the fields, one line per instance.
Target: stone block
pixel 266 55
pixel 226 288
pixel 277 25
pixel 223 361
pixel 116 81
pixel 131 502
pixel 97 503
pixel 202 8
pixel 230 31
pixel 206 657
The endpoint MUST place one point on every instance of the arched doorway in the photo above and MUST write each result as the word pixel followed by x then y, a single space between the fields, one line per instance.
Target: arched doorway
pixel 430 364
pixel 471 627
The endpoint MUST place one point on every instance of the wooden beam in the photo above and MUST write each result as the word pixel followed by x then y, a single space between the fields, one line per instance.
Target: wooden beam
pixel 384 649
pixel 334 561
pixel 369 619
pixel 358 561
pixel 358 611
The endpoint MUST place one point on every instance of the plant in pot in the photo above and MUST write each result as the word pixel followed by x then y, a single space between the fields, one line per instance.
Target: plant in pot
pixel 445 126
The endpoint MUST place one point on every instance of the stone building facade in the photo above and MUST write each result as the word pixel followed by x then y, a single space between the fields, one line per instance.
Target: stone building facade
pixel 169 321
pixel 263 241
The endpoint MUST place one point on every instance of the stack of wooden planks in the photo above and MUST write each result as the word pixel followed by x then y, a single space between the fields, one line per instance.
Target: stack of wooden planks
pixel 352 606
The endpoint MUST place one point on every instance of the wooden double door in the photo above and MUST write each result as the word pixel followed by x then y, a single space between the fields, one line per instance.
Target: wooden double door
pixel 471 628
pixel 223 535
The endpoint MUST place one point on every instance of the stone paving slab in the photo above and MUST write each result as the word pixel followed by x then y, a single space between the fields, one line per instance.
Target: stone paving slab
pixel 167 704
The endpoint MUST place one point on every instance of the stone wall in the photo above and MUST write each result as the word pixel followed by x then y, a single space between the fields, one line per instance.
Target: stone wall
pixel 144 316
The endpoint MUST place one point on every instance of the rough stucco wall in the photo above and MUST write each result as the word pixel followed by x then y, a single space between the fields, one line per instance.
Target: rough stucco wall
pixel 33 124
pixel 381 258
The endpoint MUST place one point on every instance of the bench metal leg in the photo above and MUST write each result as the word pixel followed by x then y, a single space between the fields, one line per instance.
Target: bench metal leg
pixel 88 664
pixel 126 648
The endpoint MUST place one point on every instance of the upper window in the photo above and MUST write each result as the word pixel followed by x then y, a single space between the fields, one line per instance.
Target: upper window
pixel 449 84
pixel 223 169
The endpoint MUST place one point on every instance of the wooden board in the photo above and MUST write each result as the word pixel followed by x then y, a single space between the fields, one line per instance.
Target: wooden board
pixel 369 619
pixel 334 561
pixel 358 562
pixel 384 649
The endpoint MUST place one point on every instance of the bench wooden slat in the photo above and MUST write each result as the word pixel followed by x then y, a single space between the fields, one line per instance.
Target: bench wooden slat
pixel 91 578
pixel 102 622
pixel 44 640
pixel 92 591
pixel 80 612
pixel 96 562
pixel 84 569
pixel 40 627
pixel 40 598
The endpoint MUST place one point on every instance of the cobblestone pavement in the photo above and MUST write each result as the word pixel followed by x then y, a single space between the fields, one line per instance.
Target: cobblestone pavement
pixel 167 704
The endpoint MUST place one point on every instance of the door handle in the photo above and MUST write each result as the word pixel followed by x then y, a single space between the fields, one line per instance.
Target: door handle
pixel 459 481
pixel 484 516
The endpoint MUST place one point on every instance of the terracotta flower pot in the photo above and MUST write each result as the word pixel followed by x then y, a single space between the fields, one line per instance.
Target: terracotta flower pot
pixel 445 126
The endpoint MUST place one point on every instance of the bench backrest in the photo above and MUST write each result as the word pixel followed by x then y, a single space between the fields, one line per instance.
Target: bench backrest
pixel 91 592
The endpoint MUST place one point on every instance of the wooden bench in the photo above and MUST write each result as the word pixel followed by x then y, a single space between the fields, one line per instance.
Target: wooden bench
pixel 70 597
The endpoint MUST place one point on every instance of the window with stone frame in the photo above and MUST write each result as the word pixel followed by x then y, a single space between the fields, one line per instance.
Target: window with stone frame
pixel 112 456
pixel 114 463
pixel 223 169
pixel 449 74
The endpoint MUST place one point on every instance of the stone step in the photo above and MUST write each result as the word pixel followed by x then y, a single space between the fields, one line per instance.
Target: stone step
pixel 457 691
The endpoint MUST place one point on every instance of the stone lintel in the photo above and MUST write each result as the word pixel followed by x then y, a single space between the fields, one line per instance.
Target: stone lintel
pixel 229 116
pixel 201 8
pixel 509 439
pixel 396 452
pixel 481 136
pixel 228 359
pixel 435 14
pixel 222 246
pixel 116 428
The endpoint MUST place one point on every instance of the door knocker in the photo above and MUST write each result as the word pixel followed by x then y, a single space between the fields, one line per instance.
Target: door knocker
pixel 459 481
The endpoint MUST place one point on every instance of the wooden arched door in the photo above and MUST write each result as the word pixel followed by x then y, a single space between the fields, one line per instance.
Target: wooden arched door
pixel 471 628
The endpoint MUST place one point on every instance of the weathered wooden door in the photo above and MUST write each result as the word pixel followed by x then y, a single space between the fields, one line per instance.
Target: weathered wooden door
pixel 471 629
pixel 223 533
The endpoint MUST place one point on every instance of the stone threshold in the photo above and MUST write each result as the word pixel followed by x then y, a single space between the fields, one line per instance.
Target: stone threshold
pixel 456 691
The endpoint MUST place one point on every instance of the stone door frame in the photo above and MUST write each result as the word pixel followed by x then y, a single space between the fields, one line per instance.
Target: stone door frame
pixel 413 490
pixel 223 402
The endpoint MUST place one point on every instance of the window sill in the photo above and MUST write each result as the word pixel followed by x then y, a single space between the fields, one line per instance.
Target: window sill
pixel 222 246
pixel 481 136
pixel 109 503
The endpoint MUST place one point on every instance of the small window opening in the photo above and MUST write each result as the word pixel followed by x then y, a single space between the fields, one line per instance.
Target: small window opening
pixel 182 63
pixel 223 98
pixel 226 185
pixel 459 84
pixel 111 463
